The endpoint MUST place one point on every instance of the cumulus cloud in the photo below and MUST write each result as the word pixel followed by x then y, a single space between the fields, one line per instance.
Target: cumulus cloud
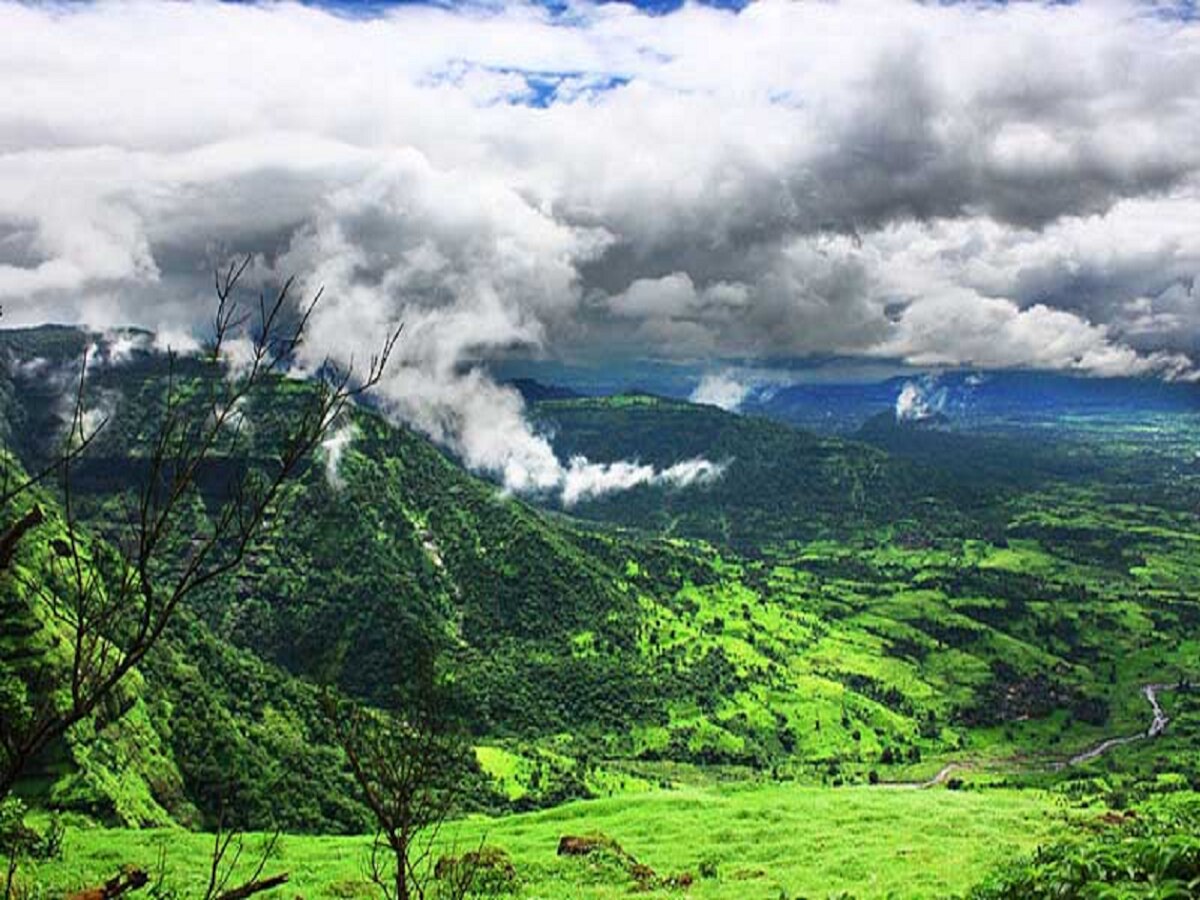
pixel 950 184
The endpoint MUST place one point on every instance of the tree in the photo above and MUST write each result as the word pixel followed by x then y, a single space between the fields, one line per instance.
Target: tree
pixel 112 597
pixel 407 768
pixel 228 845
pixel 18 841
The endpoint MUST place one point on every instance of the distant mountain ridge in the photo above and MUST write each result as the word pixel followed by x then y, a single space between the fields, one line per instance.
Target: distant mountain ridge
pixel 533 391
pixel 779 484
pixel 836 396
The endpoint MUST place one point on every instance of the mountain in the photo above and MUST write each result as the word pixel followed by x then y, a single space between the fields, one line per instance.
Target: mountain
pixel 778 485
pixel 994 400
pixel 202 724
pixel 533 391
pixel 872 621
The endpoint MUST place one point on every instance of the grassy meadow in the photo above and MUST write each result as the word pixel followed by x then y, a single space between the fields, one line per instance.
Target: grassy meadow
pixel 766 841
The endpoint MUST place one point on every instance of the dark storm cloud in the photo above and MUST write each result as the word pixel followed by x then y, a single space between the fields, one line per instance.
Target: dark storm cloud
pixel 995 185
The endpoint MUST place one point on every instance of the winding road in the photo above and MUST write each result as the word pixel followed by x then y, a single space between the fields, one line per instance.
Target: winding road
pixel 1158 724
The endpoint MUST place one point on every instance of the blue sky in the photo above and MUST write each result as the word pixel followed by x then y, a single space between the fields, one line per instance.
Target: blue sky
pixel 1176 9
pixel 368 7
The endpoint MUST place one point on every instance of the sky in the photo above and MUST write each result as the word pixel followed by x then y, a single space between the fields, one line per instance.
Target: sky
pixel 977 184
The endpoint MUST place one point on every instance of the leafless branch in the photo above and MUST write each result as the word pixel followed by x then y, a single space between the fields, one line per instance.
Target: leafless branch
pixel 404 768
pixel 116 597
pixel 222 865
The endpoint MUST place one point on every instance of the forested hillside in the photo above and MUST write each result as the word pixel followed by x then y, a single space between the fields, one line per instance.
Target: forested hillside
pixel 778 484
pixel 824 612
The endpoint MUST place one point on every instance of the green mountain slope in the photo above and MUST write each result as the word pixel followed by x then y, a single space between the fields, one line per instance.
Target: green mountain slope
pixel 586 655
pixel 200 726
pixel 779 484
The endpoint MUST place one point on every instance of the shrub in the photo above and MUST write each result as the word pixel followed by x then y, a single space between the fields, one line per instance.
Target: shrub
pixel 1130 856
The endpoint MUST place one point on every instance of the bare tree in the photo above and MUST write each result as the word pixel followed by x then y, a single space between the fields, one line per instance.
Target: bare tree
pixel 228 846
pixel 407 768
pixel 113 598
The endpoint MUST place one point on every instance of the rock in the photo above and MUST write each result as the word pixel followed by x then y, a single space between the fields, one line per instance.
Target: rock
pixel 582 845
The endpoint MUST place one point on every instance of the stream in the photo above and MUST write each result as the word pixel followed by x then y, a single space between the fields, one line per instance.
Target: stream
pixel 1158 724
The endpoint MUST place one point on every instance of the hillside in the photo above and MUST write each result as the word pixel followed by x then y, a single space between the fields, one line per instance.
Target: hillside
pixel 203 724
pixel 779 484
pixel 880 644
pixel 600 450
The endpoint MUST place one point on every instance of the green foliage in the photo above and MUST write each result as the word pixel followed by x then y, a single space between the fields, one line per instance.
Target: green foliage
pixel 1154 855
pixel 884 646
pixel 828 613
pixel 21 843
pixel 19 839
pixel 779 483
pixel 486 872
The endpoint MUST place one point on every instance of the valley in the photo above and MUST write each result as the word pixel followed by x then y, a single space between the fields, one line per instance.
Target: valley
pixel 730 677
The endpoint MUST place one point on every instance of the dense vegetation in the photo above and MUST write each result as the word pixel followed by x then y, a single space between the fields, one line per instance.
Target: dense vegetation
pixel 835 613
pixel 779 483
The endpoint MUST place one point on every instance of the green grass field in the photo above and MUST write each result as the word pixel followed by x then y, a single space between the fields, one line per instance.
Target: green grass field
pixel 767 841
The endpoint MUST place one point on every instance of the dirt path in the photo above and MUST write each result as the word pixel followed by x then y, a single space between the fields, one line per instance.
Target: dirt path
pixel 941 777
pixel 1099 750
pixel 1158 725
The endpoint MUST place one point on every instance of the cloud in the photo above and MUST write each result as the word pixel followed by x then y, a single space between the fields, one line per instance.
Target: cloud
pixel 920 399
pixel 175 340
pixel 960 328
pixel 721 389
pixel 985 184
pixel 100 409
pixel 238 356
pixel 116 347
pixel 692 471
pixel 27 369
pixel 587 481
pixel 335 447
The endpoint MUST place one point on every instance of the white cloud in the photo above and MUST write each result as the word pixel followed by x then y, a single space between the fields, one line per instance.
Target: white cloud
pixel 238 355
pixel 668 297
pixel 175 340
pixel 587 481
pixel 1002 185
pixel 721 389
pixel 692 471
pixel 116 347
pixel 920 399
pixel 335 447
